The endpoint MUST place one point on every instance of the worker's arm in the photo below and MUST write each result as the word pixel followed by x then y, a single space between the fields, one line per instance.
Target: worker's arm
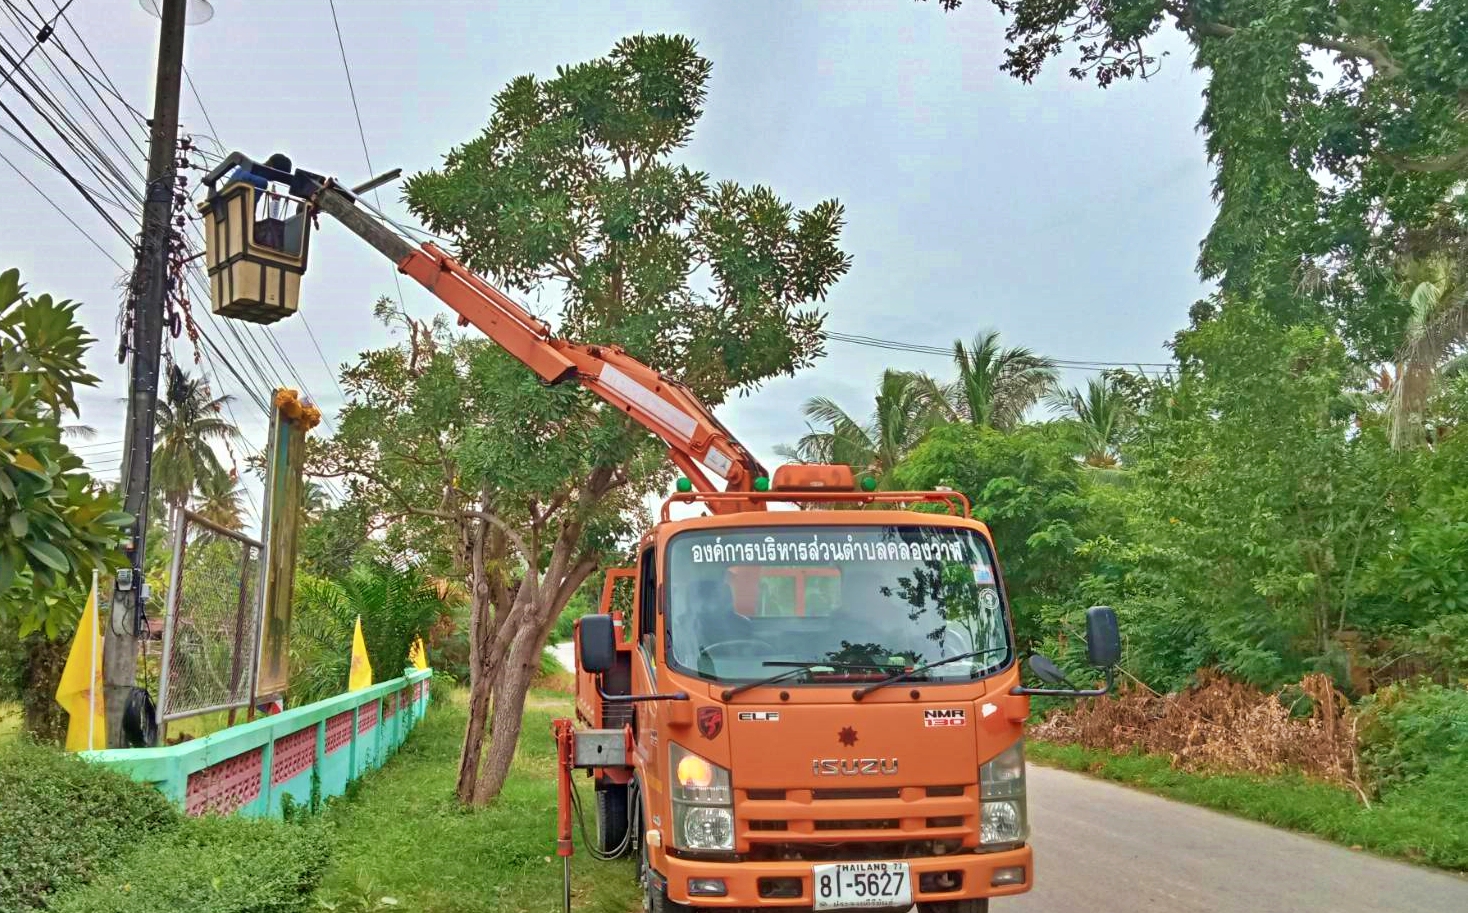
pixel 667 408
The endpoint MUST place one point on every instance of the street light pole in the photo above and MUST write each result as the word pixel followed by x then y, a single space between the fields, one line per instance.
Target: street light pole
pixel 150 288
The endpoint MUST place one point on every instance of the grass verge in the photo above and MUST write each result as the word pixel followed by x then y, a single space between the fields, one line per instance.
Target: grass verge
pixel 1425 821
pixel 402 841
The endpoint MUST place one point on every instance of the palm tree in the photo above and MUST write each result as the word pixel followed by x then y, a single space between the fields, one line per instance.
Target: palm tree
pixel 995 386
pixel 314 502
pixel 1101 414
pixel 189 421
pixel 1436 343
pixel 906 409
pixel 221 499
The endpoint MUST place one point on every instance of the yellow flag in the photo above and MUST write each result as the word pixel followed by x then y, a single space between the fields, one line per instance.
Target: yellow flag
pixel 361 668
pixel 417 655
pixel 80 690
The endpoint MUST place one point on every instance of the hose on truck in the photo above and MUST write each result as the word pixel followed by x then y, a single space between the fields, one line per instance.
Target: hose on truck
pixel 629 835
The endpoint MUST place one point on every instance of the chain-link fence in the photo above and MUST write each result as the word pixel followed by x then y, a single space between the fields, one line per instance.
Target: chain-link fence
pixel 210 634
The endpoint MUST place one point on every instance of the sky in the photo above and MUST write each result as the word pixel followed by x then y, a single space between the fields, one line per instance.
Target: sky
pixel 1065 216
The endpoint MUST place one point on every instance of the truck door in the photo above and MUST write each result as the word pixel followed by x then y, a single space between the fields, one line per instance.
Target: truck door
pixel 645 681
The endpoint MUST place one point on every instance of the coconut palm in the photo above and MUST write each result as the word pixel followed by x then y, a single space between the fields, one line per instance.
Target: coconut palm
pixel 906 408
pixel 996 386
pixel 1436 343
pixel 1101 414
pixel 314 502
pixel 221 499
pixel 190 420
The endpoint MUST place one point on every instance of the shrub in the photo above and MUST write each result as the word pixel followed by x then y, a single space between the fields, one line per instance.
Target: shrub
pixel 61 820
pixel 1408 734
pixel 581 603
pixel 211 865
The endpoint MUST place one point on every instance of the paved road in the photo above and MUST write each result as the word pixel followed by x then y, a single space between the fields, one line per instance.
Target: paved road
pixel 565 654
pixel 1103 848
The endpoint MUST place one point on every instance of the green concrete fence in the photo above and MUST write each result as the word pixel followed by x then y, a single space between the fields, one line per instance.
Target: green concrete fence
pixel 307 754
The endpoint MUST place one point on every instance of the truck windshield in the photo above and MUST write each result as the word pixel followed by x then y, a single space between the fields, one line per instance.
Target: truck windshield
pixel 878 597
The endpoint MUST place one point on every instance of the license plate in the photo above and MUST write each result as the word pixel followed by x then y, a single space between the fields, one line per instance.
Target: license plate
pixel 856 885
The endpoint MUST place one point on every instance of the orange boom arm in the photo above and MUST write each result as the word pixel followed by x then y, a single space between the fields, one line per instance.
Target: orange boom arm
pixel 696 439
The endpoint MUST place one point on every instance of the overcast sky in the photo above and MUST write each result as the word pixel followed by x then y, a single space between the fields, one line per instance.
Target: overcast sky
pixel 1065 216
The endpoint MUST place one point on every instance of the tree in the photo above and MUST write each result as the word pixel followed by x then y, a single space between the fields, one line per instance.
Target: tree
pixel 1101 414
pixel 190 421
pixel 572 183
pixel 1257 501
pixel 1436 342
pixel 1026 485
pixel 995 386
pixel 59 524
pixel 1324 179
pixel 221 500
pixel 396 605
pixel 906 409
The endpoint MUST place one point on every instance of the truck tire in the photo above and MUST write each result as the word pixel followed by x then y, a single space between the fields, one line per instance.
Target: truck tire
pixel 979 905
pixel 655 896
pixel 612 824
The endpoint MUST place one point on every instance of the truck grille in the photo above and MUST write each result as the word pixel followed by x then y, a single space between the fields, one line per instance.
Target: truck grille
pixel 857 823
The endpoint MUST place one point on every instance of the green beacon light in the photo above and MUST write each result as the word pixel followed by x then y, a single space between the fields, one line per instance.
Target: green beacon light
pixel 685 485
pixel 761 484
pixel 868 483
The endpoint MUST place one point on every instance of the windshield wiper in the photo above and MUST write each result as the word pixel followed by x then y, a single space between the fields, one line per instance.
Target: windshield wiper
pixel 797 669
pixel 907 674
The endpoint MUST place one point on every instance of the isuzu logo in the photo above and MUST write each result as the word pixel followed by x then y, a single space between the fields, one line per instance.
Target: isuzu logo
pixel 853 767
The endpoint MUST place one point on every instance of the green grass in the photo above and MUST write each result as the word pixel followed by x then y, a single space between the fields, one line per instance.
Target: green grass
pixel 401 835
pixel 1425 821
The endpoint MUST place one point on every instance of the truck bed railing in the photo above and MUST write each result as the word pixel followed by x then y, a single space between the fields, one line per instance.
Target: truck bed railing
pixel 956 501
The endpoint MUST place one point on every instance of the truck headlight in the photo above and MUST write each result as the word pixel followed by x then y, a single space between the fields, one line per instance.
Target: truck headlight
pixel 1003 821
pixel 703 814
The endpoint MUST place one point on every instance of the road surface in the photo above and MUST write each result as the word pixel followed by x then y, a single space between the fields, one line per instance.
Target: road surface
pixel 1103 848
pixel 565 654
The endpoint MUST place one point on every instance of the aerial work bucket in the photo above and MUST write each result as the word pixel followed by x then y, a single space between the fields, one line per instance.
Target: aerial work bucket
pixel 256 241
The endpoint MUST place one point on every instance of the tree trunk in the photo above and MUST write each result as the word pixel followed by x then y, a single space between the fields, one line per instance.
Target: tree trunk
pixel 45 721
pixel 480 679
pixel 516 673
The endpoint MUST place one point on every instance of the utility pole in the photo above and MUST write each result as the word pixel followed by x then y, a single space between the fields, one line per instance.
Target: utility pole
pixel 150 292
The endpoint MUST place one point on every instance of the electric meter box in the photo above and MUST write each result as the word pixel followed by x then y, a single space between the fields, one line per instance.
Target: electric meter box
pixel 255 247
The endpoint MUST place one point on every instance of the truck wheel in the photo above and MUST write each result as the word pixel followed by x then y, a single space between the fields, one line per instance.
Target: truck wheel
pixel 979 905
pixel 611 819
pixel 655 899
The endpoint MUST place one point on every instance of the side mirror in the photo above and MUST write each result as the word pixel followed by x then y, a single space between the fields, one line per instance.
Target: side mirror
pixel 1103 637
pixel 596 644
pixel 1045 669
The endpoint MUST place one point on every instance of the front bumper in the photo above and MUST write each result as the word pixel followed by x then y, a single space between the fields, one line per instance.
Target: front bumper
pixel 742 879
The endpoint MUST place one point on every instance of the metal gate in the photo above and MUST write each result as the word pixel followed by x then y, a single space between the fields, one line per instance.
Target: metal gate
pixel 211 631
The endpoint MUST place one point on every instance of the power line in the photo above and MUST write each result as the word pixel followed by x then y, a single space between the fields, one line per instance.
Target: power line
pixel 20 141
pixel 67 174
pixel 64 214
pixel 896 345
pixel 108 172
pixel 92 80
pixel 41 36
pixel 361 133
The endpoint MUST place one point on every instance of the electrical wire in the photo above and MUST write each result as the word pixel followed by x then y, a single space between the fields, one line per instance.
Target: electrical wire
pixel 41 37
pixel 98 162
pixel 361 133
pixel 896 345
pixel 92 200
pixel 64 214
